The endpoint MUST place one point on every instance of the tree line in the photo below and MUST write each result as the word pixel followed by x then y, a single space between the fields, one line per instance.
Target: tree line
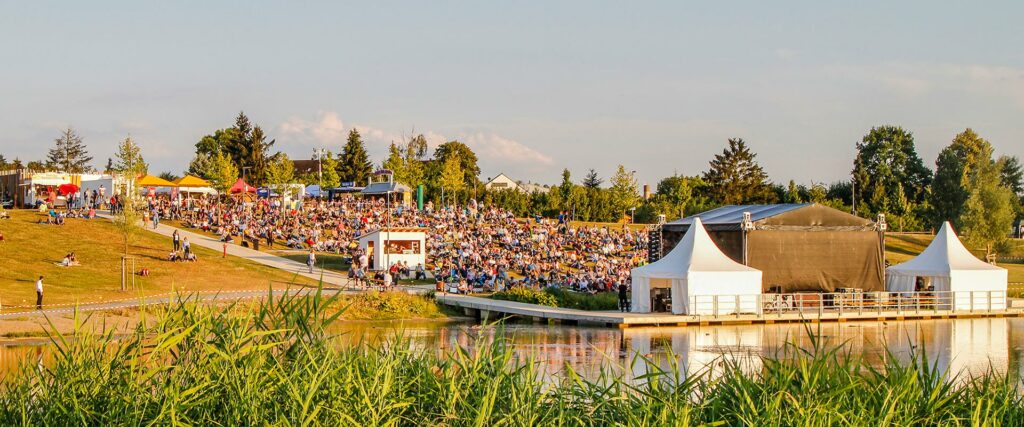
pixel 979 193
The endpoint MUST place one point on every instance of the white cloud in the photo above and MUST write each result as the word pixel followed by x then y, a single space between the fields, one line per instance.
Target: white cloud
pixel 329 130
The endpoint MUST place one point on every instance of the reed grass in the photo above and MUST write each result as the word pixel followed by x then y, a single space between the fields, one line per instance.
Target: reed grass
pixel 276 365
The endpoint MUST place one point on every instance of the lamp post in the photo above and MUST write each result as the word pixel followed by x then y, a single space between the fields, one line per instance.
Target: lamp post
pixel 632 214
pixel 319 153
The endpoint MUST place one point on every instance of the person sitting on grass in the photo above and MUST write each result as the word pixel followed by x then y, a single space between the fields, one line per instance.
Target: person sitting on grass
pixel 173 256
pixel 191 256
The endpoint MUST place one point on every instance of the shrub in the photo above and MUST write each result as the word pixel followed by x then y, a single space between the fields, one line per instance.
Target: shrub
pixel 601 301
pixel 526 295
pixel 373 305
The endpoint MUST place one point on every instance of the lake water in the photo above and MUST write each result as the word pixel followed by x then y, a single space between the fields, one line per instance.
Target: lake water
pixel 961 345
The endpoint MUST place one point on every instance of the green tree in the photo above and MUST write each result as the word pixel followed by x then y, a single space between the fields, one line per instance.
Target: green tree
pixel 736 178
pixel 953 168
pixel 989 212
pixel 353 163
pixel 223 172
pixel 467 160
pixel 129 165
pixel 623 191
pixel 128 159
pixel 592 180
pixel 793 193
pixel 202 165
pixel 210 145
pixel 258 155
pixel 329 171
pixel 565 190
pixel 452 175
pixel 1011 175
pixel 69 153
pixel 279 174
pixel 245 144
pixel 888 175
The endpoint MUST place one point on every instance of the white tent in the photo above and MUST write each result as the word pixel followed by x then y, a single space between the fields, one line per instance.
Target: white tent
pixel 702 279
pixel 950 267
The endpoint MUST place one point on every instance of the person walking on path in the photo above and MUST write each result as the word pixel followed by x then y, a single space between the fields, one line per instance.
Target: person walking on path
pixel 176 238
pixel 156 218
pixel 311 261
pixel 39 293
pixel 623 298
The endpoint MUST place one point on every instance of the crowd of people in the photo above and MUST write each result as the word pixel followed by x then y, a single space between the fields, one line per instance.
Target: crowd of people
pixel 471 246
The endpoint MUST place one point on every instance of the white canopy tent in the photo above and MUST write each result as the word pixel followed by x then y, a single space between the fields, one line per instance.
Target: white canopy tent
pixel 702 279
pixel 950 267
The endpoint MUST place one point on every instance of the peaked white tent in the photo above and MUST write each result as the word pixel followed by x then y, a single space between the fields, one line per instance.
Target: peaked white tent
pixel 950 267
pixel 703 280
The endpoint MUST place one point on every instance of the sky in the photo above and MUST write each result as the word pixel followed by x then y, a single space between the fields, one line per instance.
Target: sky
pixel 532 87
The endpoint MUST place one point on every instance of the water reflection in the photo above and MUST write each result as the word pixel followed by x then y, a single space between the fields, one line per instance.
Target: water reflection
pixel 961 345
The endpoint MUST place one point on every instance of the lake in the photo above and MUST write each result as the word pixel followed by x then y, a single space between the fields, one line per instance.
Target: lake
pixel 960 345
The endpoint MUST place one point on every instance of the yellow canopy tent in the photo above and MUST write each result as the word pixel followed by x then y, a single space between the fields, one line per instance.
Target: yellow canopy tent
pixel 190 181
pixel 154 181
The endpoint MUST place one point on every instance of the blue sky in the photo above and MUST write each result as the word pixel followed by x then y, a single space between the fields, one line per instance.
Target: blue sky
pixel 533 87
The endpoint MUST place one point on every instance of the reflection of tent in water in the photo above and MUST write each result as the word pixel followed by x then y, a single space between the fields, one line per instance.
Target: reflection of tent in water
pixel 696 272
pixel 949 267
pixel 799 247
pixel 696 349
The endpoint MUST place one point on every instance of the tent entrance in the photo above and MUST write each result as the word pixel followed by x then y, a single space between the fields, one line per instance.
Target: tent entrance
pixel 661 295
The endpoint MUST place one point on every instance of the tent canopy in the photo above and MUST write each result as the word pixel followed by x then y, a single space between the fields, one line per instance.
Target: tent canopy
pixel 190 181
pixel 949 267
pixel 699 272
pixel 943 255
pixel 241 187
pixel 153 181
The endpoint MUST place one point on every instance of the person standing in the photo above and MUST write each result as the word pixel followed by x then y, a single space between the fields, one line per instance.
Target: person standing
pixel 186 246
pixel 623 298
pixel 387 280
pixel 39 293
pixel 176 239
pixel 156 217
pixel 311 261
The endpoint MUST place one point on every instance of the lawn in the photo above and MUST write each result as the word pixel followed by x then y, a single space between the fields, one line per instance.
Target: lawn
pixel 902 247
pixel 31 249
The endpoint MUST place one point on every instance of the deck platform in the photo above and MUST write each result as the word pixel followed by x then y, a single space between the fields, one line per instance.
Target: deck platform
pixel 491 310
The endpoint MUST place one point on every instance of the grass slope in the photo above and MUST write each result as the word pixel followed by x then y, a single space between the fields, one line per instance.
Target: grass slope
pixel 902 247
pixel 32 249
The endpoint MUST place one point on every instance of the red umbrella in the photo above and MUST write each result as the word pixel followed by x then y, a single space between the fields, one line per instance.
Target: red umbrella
pixel 66 189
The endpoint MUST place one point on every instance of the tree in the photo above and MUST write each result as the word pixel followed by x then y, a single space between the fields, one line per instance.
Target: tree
pixel 988 214
pixel 210 145
pixel 736 178
pixel 223 172
pixel 1011 175
pixel 888 169
pixel 202 165
pixel 279 173
pixel 565 190
pixel 68 153
pixel 168 175
pixel 328 171
pixel 467 160
pixel 953 169
pixel 793 193
pixel 245 144
pixel 128 160
pixel 353 163
pixel 129 165
pixel 451 179
pixel 592 181
pixel 258 149
pixel 623 192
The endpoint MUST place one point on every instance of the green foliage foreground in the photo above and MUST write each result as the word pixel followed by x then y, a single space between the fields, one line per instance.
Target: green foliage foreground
pixel 198 365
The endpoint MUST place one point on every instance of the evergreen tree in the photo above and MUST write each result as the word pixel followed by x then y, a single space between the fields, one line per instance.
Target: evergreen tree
pixel 129 161
pixel 3 162
pixel 1011 174
pixel 565 190
pixel 592 180
pixel 793 193
pixel 886 169
pixel 245 144
pixel 353 163
pixel 257 151
pixel 623 191
pixel 736 178
pixel 953 168
pixel 202 165
pixel 110 166
pixel 68 153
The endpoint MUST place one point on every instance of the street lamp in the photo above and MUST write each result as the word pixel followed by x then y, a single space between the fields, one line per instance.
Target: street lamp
pixel 318 154
pixel 632 215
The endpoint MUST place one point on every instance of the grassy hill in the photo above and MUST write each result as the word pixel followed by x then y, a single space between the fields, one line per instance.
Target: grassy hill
pixel 902 247
pixel 31 249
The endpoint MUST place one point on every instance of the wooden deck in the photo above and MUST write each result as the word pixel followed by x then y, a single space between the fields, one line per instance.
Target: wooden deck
pixel 490 310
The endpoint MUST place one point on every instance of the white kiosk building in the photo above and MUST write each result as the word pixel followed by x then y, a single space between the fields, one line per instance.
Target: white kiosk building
pixel 700 279
pixel 390 245
pixel 960 280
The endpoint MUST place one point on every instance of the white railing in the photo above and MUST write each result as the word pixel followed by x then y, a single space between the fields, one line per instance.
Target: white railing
pixel 846 303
